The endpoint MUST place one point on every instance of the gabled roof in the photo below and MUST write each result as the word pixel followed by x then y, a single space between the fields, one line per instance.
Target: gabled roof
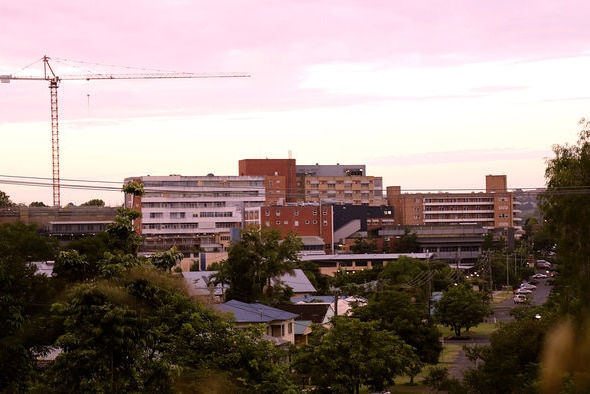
pixel 254 313
pixel 315 312
pixel 197 282
pixel 302 327
pixel 297 281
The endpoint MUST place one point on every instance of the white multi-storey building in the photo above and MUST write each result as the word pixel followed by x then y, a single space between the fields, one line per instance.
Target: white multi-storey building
pixel 194 212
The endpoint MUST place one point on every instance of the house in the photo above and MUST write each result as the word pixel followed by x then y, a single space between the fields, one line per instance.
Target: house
pixel 318 313
pixel 200 284
pixel 280 325
pixel 342 307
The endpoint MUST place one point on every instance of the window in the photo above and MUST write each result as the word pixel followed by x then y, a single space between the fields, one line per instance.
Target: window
pixel 267 213
pixel 296 223
pixel 290 330
pixel 156 215
pixel 296 213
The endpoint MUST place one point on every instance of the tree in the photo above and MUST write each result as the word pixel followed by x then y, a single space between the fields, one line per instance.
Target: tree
pixel 72 267
pixel 351 354
pixel 166 260
pixel 407 243
pixel 24 303
pixel 21 242
pixel 364 245
pixel 258 257
pixel 141 333
pixel 395 311
pixel 5 200
pixel 122 237
pixel 511 360
pixel 460 307
pixel 37 204
pixel 565 206
pixel 93 203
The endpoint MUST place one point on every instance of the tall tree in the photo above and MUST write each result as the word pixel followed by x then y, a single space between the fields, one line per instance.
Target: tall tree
pixel 351 354
pixel 258 257
pixel 396 312
pixel 460 307
pixel 565 206
pixel 5 201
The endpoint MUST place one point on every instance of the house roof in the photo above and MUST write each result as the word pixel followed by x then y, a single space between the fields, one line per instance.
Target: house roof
pixel 197 282
pixel 302 327
pixel 315 312
pixel 254 313
pixel 296 281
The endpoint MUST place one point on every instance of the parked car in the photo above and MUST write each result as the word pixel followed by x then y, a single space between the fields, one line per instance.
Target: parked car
pixel 528 286
pixel 520 298
pixel 540 275
pixel 524 291
pixel 543 264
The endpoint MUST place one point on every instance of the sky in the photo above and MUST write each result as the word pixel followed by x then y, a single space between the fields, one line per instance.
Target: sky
pixel 430 95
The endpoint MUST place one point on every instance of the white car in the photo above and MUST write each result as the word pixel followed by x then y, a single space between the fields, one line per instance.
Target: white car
pixel 524 291
pixel 528 286
pixel 540 276
pixel 520 298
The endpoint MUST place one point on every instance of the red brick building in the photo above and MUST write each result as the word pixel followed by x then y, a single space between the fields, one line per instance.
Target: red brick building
pixel 281 178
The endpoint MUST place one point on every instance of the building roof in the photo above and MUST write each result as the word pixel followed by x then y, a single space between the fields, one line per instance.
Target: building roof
pixel 302 327
pixel 254 313
pixel 315 312
pixel 197 282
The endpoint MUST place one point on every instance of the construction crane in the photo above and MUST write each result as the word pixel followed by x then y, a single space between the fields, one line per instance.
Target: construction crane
pixel 54 80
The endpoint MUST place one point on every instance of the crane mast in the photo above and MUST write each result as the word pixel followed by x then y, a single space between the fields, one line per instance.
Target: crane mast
pixel 53 79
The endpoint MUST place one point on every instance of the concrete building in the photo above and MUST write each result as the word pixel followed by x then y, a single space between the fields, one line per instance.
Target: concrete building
pixel 496 208
pixel 194 213
pixel 345 184
pixel 65 223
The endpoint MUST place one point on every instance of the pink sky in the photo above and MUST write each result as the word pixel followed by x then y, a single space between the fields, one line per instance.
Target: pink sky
pixel 429 95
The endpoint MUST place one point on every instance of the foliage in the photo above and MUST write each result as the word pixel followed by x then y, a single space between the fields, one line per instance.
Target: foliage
pixel 254 260
pixel 460 307
pixel 364 245
pixel 21 242
pixel 5 201
pixel 141 333
pixel 134 188
pixel 395 311
pixel 510 361
pixel 93 203
pixel 24 303
pixel 407 243
pixel 352 353
pixel 122 237
pixel 565 206
pixel 92 247
pixel 166 260
pixel 37 204
pixel 72 267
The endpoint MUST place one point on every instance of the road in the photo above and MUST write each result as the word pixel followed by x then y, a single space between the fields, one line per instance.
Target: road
pixel 501 313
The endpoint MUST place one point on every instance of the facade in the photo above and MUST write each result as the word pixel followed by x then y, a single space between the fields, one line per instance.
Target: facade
pixel 65 223
pixel 496 208
pixel 194 213
pixel 345 184
pixel 457 244
pixel 310 222
pixel 352 221
pixel 279 324
pixel 280 179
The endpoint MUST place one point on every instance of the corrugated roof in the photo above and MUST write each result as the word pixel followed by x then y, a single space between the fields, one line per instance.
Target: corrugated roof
pixel 254 313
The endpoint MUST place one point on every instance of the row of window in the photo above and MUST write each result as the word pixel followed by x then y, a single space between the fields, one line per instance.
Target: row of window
pixel 295 212
pixel 186 226
pixel 295 222
pixel 182 215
